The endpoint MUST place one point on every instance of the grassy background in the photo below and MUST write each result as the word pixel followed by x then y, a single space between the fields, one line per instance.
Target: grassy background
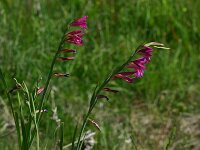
pixel 166 97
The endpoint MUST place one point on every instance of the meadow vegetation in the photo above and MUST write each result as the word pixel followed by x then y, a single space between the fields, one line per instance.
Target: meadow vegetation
pixel 158 111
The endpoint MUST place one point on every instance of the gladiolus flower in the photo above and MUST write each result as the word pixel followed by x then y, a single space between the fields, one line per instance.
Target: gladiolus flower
pixel 146 51
pixel 138 66
pixel 75 37
pixel 81 22
pixel 65 58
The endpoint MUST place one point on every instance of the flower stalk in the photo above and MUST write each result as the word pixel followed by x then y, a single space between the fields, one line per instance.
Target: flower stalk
pixel 138 70
pixel 73 37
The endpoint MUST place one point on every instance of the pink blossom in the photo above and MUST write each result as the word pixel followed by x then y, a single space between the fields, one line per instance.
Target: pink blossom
pixel 81 22
pixel 146 51
pixel 138 66
pixel 75 37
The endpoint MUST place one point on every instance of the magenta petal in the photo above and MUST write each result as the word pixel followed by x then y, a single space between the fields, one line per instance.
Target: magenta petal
pixel 75 37
pixel 125 73
pixel 139 66
pixel 139 73
pixel 74 32
pixel 81 22
pixel 136 65
pixel 146 51
pixel 127 79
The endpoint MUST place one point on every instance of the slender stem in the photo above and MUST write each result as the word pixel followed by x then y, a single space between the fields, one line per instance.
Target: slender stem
pixel 7 94
pixel 46 87
pixel 15 116
pixel 61 135
pixel 49 78
pixel 82 129
pixel 96 93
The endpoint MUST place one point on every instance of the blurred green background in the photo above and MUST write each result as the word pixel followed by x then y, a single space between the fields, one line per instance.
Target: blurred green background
pixel 167 97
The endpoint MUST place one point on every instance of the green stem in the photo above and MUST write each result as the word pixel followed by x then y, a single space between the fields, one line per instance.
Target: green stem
pixel 49 78
pixel 96 93
pixel 15 116
pixel 46 87
pixel 7 93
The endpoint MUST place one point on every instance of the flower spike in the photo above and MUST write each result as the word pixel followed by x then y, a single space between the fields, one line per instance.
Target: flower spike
pixel 137 66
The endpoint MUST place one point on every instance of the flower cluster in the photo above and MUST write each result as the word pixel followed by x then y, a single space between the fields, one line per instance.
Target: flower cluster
pixel 73 37
pixel 134 68
pixel 137 66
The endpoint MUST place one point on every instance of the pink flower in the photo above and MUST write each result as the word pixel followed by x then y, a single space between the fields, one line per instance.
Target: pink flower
pixel 75 37
pixel 138 66
pixel 146 51
pixel 81 22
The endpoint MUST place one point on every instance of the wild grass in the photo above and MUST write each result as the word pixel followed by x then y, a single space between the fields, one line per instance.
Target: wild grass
pixel 146 110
